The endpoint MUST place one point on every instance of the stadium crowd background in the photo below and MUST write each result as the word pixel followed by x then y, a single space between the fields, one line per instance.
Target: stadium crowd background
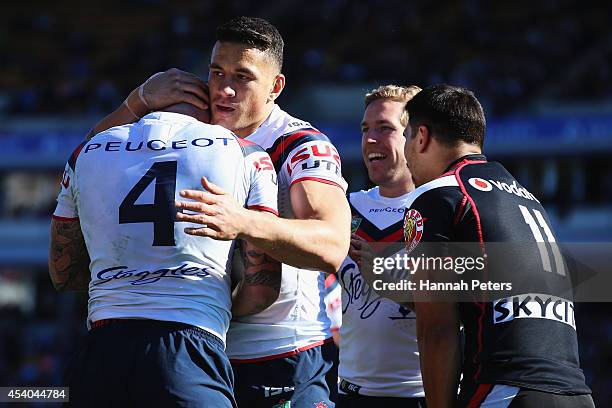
pixel 541 69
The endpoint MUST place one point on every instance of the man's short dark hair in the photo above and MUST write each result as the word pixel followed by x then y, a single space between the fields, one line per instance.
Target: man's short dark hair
pixel 452 114
pixel 255 32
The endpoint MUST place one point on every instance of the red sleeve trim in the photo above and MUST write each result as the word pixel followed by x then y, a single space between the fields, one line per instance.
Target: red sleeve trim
pixel 58 218
pixel 263 208
pixel 460 212
pixel 283 355
pixel 480 305
pixel 320 180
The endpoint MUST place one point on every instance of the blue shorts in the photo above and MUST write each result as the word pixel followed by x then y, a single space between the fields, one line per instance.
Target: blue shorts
pixel 138 363
pixel 289 382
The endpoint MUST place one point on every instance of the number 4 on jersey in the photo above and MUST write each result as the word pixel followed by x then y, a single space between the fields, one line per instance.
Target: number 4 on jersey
pixel 162 213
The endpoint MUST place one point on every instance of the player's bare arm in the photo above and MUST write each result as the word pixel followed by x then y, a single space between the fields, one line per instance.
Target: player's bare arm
pixel 68 257
pixel 160 90
pixel 439 350
pixel 318 239
pixel 260 282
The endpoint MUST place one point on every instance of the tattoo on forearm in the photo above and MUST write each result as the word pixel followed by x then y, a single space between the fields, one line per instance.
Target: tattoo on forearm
pixel 68 257
pixel 259 268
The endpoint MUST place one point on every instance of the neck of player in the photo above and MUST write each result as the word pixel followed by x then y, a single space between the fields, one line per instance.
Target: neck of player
pixel 445 157
pixel 396 188
pixel 189 110
pixel 452 155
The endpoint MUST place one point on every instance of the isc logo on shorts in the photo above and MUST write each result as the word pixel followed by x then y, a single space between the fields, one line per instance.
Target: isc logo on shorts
pixel 534 306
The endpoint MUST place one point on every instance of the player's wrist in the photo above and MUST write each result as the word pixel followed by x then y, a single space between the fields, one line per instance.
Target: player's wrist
pixel 135 103
pixel 246 220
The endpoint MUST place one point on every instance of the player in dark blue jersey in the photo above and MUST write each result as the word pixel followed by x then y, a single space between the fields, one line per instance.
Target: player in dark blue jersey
pixel 521 350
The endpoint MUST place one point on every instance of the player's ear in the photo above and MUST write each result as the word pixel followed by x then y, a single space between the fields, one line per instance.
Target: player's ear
pixel 277 87
pixel 423 138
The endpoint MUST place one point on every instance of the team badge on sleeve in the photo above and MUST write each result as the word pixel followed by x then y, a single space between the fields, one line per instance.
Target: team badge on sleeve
pixel 413 229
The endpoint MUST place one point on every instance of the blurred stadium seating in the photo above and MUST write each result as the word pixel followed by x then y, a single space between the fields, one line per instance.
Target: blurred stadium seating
pixel 542 70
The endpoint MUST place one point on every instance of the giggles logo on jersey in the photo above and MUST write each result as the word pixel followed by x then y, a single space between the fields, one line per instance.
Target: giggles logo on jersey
pixel 480 184
pixel 413 229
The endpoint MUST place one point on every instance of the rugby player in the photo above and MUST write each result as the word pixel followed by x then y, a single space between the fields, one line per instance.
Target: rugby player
pixel 519 352
pixel 379 359
pixel 159 299
pixel 276 354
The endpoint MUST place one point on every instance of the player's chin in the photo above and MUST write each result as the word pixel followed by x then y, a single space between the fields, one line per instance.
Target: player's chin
pixel 225 119
pixel 377 174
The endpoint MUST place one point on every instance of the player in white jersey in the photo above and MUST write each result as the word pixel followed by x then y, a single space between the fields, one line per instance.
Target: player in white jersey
pixel 277 353
pixel 379 358
pixel 159 299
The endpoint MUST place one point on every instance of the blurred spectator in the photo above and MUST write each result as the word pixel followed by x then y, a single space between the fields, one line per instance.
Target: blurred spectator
pixel 59 59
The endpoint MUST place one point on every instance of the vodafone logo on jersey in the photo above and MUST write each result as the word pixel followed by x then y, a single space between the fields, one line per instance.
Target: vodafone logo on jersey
pixel 513 188
pixel 413 229
pixel 480 184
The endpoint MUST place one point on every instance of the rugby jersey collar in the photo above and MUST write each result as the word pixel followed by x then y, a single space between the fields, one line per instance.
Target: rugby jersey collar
pixel 467 157
pixel 171 116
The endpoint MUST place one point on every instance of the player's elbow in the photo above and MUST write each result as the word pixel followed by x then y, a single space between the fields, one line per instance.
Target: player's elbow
pixel 334 255
pixel 334 263
pixel 59 286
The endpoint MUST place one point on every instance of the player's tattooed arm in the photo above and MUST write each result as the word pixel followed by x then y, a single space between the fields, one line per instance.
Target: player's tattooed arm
pixel 68 257
pixel 260 281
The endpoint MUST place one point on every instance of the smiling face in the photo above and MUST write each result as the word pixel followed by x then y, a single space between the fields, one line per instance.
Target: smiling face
pixel 242 83
pixel 382 143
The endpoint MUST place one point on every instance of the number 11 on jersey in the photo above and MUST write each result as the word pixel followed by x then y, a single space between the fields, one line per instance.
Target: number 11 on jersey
pixel 540 240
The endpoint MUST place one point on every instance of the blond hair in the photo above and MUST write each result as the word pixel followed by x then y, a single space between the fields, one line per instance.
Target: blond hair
pixel 394 93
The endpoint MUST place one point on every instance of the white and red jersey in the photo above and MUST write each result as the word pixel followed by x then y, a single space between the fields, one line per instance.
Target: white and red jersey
pixel 378 343
pixel 297 320
pixel 121 187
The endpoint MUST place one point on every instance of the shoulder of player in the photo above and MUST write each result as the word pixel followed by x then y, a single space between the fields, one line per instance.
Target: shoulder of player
pixel 356 196
pixel 291 123
pixel 97 139
pixel 115 131
pixel 249 147
pixel 75 155
pixel 293 142
pixel 294 137
pixel 444 189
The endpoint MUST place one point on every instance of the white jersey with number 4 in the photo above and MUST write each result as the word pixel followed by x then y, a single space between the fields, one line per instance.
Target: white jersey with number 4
pixel 378 344
pixel 298 319
pixel 121 187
